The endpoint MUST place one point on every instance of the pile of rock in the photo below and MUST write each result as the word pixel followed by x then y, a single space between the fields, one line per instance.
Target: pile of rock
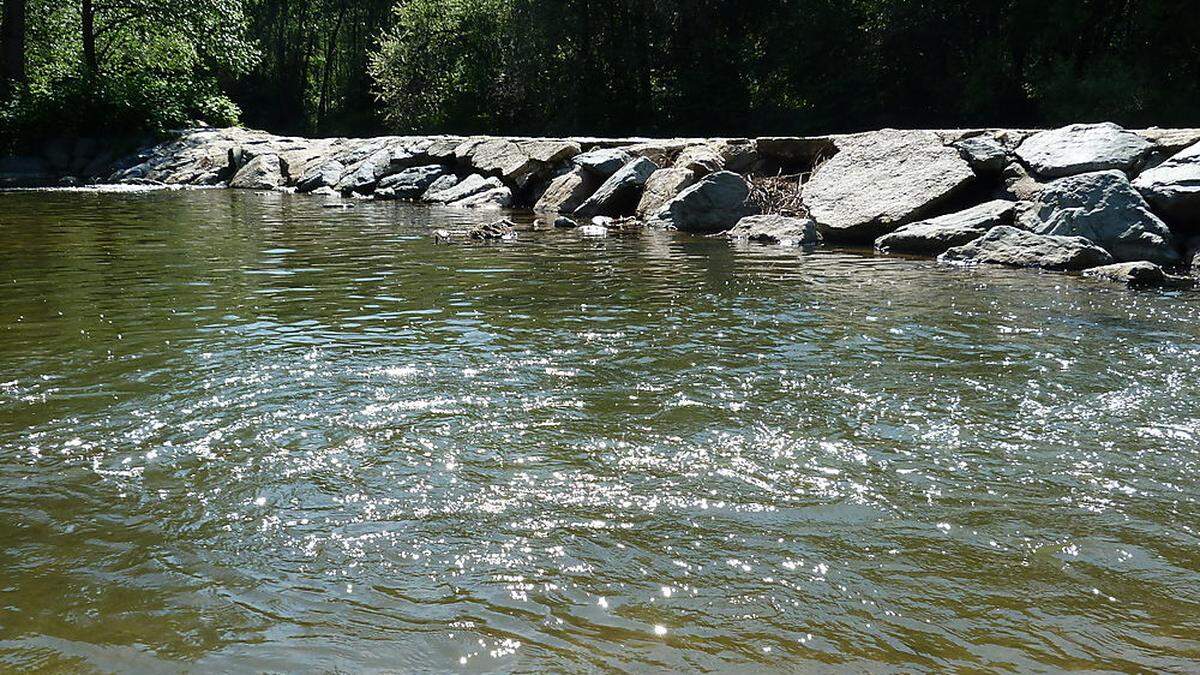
pixel 1074 198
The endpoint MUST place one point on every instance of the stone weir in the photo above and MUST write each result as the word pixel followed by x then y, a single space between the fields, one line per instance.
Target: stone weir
pixel 1121 204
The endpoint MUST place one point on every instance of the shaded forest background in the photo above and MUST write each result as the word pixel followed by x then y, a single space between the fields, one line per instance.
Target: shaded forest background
pixel 600 67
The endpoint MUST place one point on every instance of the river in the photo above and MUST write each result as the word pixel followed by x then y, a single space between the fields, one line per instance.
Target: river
pixel 241 431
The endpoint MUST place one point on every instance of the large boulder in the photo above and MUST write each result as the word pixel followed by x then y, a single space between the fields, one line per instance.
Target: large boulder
pixel 882 180
pixel 492 198
pixel 1013 247
pixel 661 187
pixel 603 162
pixel 984 153
pixel 776 229
pixel 410 183
pixel 567 192
pixel 1140 274
pixel 471 185
pixel 516 161
pixel 440 185
pixel 1083 148
pixel 934 236
pixel 1173 188
pixel 323 174
pixel 714 204
pixel 1103 207
pixel 363 175
pixel 619 194
pixel 701 159
pixel 264 172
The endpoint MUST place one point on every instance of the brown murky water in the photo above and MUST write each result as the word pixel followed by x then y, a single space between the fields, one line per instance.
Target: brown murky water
pixel 243 432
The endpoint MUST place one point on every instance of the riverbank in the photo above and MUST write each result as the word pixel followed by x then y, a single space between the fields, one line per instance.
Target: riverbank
pixel 1117 204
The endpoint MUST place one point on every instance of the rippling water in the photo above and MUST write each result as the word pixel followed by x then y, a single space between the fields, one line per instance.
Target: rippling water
pixel 242 431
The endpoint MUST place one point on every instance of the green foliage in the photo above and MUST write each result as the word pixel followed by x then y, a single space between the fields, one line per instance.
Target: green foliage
pixel 160 64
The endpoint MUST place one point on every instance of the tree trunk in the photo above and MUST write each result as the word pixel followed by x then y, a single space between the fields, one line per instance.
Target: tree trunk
pixel 12 44
pixel 88 15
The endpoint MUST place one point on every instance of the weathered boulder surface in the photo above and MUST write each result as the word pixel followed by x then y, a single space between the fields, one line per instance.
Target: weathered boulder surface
pixel 934 236
pixel 410 183
pixel 1013 247
pixel 984 153
pixel 492 198
pixel 516 161
pixel 700 159
pixel 567 192
pixel 1139 274
pixel 881 180
pixel 1083 148
pixel 620 192
pixel 471 185
pixel 661 187
pixel 1173 188
pixel 603 162
pixel 776 229
pixel 440 185
pixel 264 172
pixel 363 175
pixel 1103 207
pixel 714 204
pixel 325 174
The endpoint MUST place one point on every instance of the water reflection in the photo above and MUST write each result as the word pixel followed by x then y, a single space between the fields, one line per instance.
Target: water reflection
pixel 242 431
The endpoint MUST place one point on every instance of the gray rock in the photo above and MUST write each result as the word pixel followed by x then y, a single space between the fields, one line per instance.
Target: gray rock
pixel 984 153
pixel 934 236
pixel 363 175
pixel 1019 185
pixel 565 223
pixel 700 159
pixel 264 172
pixel 325 174
pixel 1007 245
pixel 661 187
pixel 567 192
pixel 1139 274
pixel 493 198
pixel 411 183
pixel 1171 140
pixel 471 185
pixel 1082 148
pixel 776 229
pixel 1103 207
pixel 882 180
pixel 440 185
pixel 548 151
pixel 739 155
pixel 661 152
pixel 714 204
pixel 1173 187
pixel 603 162
pixel 620 192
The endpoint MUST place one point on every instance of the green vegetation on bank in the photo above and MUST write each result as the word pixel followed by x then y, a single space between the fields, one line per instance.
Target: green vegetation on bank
pixel 592 66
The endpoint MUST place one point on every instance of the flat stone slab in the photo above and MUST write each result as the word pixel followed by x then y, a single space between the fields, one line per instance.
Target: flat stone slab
pixel 881 180
pixel 1082 148
pixel 1173 187
pixel 1012 247
pixel 934 236
pixel 1140 274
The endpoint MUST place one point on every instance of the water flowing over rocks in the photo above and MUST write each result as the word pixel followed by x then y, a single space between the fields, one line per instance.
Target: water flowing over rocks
pixel 882 180
pixel 1066 199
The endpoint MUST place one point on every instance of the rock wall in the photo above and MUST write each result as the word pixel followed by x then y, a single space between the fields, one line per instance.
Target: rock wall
pixel 1117 195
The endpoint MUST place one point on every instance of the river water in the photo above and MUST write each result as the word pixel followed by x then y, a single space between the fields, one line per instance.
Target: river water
pixel 244 432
